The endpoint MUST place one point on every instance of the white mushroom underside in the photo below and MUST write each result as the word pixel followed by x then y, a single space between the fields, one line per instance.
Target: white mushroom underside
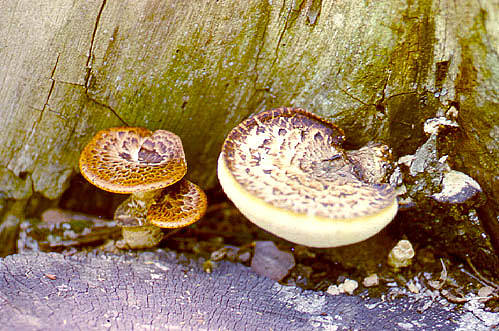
pixel 303 228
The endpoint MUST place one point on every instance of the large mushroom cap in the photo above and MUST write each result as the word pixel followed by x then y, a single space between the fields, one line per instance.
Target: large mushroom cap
pixel 178 205
pixel 285 170
pixel 128 160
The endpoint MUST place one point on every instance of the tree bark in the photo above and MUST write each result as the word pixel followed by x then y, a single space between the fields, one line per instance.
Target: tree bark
pixel 161 291
pixel 377 68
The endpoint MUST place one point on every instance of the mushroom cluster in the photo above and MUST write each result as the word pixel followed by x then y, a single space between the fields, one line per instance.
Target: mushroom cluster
pixel 151 167
pixel 286 171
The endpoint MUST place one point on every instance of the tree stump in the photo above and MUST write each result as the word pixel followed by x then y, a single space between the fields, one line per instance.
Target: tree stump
pixel 378 69
pixel 162 291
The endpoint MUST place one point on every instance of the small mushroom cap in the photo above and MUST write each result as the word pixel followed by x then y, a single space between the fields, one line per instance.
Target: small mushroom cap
pixel 286 172
pixel 178 205
pixel 128 160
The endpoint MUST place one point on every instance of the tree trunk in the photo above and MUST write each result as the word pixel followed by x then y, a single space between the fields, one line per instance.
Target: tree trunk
pixel 378 69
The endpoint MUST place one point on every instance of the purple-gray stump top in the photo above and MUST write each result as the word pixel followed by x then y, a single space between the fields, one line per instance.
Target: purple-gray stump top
pixel 160 290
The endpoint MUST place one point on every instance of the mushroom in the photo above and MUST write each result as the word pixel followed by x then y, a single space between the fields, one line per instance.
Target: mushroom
pixel 133 160
pixel 175 206
pixel 144 164
pixel 286 171
pixel 178 205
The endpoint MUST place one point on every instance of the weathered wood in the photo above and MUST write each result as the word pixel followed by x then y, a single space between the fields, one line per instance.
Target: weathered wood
pixel 161 291
pixel 377 68
pixel 197 68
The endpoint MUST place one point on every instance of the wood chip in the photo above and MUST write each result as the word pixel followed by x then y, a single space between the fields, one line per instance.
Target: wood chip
pixel 50 276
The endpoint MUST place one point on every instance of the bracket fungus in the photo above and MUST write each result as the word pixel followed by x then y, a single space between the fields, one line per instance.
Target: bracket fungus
pixel 150 166
pixel 286 171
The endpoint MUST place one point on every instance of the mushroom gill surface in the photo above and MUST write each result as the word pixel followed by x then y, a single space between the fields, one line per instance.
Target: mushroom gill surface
pixel 286 171
pixel 128 160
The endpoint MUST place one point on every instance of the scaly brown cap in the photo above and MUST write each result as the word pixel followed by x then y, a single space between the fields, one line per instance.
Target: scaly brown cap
pixel 178 205
pixel 128 160
pixel 286 171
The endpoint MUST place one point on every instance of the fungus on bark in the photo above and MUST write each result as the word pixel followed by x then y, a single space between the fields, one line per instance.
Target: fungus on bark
pixel 177 206
pixel 286 171
pixel 133 160
pixel 146 165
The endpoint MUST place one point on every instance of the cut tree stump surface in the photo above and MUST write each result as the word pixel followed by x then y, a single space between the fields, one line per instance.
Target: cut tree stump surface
pixel 159 290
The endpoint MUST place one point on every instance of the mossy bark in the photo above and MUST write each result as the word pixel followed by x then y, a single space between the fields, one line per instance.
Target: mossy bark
pixel 377 68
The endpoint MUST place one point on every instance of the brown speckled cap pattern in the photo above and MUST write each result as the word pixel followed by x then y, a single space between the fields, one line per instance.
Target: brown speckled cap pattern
pixel 178 205
pixel 293 159
pixel 128 160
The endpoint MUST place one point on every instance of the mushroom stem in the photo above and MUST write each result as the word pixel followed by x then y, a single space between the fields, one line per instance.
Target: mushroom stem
pixel 147 196
pixel 144 236
pixel 133 211
pixel 131 215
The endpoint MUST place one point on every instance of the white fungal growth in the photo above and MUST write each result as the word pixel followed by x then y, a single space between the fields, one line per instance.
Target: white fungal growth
pixel 401 255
